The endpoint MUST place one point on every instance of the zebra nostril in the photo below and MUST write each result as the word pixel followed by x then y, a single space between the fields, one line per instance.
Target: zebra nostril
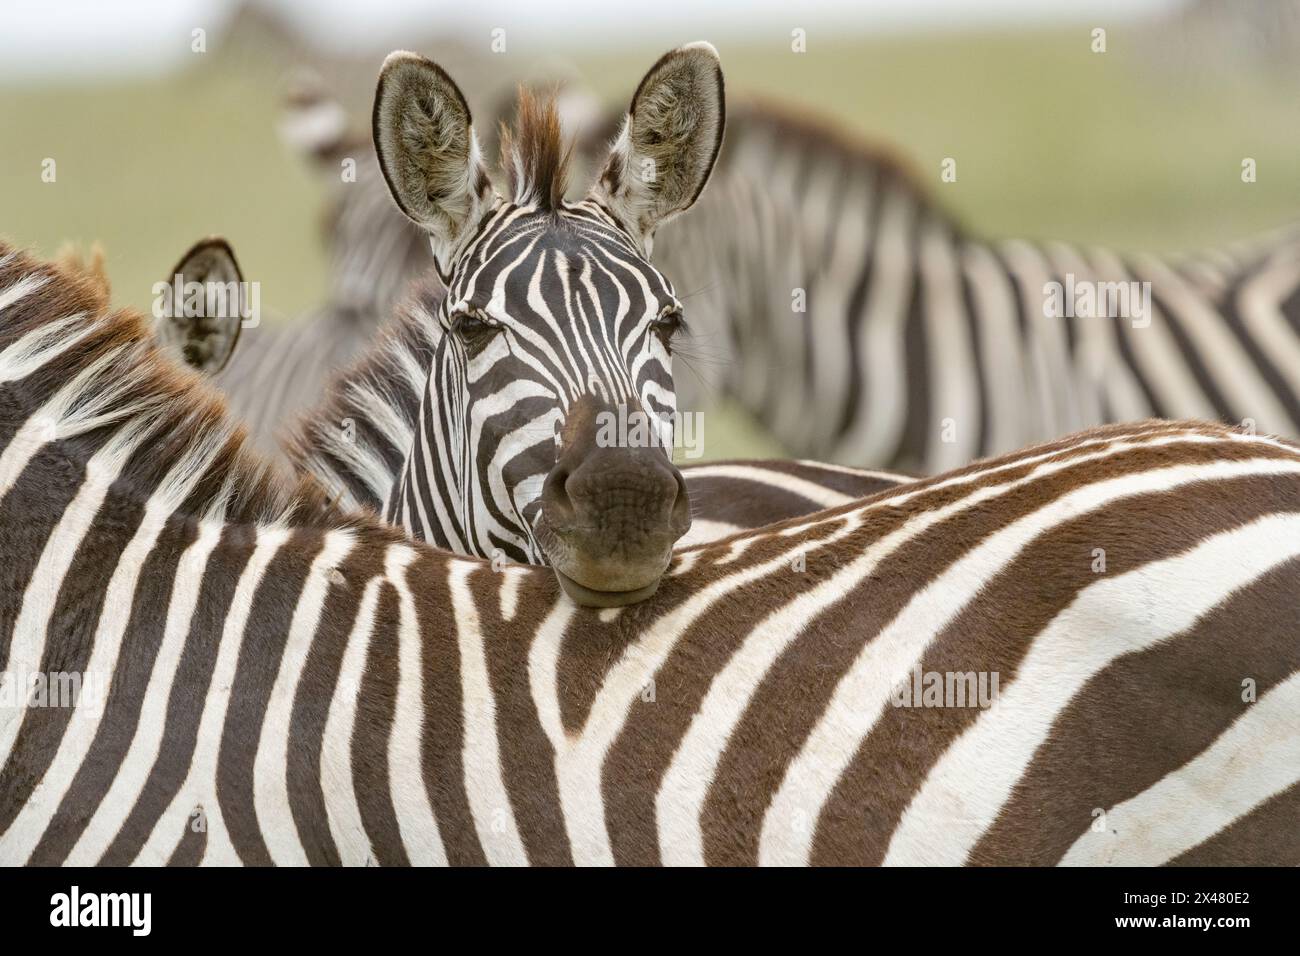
pixel 556 502
pixel 681 511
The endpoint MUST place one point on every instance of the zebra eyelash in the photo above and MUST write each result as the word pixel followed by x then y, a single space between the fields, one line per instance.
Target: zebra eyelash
pixel 471 324
pixel 669 324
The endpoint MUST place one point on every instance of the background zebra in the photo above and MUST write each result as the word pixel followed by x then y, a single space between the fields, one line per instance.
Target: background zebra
pixel 920 346
pixel 285 684
pixel 204 341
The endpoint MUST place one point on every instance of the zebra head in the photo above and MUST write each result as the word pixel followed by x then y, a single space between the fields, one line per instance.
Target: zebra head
pixel 545 433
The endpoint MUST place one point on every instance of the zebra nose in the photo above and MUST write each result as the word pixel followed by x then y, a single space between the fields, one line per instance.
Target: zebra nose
pixel 637 491
pixel 610 513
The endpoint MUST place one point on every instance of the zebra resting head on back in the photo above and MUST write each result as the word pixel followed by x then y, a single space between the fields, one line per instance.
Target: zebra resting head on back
pixel 555 333
pixel 268 681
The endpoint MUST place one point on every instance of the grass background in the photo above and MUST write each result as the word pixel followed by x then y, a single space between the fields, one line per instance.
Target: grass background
pixel 1051 140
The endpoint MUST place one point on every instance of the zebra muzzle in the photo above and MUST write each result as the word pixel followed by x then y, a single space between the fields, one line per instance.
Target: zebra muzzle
pixel 610 517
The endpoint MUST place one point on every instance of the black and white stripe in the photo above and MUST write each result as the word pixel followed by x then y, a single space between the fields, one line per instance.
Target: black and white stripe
pixel 486 432
pixel 913 324
pixel 281 369
pixel 356 443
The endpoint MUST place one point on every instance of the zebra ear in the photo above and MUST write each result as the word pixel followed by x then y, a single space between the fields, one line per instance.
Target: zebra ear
pixel 204 340
pixel 430 157
pixel 314 124
pixel 669 142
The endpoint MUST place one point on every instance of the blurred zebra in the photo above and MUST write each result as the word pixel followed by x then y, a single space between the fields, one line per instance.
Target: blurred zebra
pixel 908 680
pixel 280 370
pixel 1217 41
pixel 837 301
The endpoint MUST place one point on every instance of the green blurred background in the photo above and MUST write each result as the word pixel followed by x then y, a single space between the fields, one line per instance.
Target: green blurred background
pixel 1137 147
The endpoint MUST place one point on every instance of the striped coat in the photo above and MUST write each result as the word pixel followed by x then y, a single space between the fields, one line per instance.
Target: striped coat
pixel 878 331
pixel 276 683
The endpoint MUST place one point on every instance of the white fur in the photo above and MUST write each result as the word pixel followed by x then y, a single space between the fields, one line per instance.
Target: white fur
pixel 1256 758
pixel 346 828
pixel 200 786
pixel 411 804
pixel 270 766
pixel 1125 614
pixel 489 801
pixel 146 744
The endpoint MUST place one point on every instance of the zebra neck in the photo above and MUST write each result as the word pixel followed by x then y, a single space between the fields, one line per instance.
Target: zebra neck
pixel 427 497
pixel 446 497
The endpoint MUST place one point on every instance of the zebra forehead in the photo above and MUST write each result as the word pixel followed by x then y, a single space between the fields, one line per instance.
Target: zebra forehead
pixel 557 251
pixel 567 227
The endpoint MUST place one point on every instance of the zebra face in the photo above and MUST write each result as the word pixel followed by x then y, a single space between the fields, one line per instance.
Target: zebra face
pixel 546 430
pixel 557 347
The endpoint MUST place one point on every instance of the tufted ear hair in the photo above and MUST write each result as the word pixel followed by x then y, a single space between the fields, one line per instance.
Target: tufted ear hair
pixel 430 157
pixel 206 339
pixel 669 142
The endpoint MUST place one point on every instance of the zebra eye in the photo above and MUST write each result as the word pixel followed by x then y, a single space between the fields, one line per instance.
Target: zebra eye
pixel 667 325
pixel 473 326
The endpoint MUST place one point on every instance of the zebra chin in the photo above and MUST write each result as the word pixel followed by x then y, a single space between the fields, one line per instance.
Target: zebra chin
pixel 607 581
pixel 610 564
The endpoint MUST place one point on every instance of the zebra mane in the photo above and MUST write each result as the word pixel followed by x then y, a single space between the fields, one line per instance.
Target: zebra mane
pixel 76 372
pixel 355 441
pixel 821 135
pixel 533 154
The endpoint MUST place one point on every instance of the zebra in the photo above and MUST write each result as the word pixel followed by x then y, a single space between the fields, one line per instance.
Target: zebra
pixel 284 368
pixel 278 682
pixel 359 461
pixel 878 331
pixel 395 437
pixel 553 326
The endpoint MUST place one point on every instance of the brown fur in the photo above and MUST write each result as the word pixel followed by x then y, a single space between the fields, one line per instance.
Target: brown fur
pixel 818 133
pixel 182 406
pixel 1144 714
pixel 70 258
